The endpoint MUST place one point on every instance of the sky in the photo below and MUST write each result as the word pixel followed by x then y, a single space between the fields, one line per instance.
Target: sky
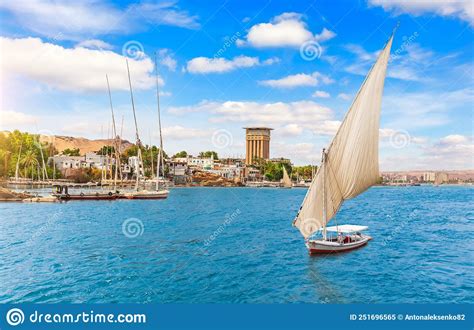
pixel 224 65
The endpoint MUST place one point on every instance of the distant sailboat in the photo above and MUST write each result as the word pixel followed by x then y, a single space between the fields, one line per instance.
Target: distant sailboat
pixel 144 194
pixel 286 179
pixel 348 167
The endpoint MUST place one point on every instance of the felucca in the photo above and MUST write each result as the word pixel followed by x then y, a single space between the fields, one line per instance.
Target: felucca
pixel 146 194
pixel 348 168
pixel 286 179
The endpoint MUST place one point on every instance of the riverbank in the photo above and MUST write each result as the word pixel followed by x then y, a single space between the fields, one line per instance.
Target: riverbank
pixel 7 195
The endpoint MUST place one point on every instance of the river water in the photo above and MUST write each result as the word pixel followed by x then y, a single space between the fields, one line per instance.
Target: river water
pixel 237 245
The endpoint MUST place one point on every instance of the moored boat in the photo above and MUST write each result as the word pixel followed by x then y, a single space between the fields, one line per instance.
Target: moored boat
pixel 349 237
pixel 146 194
pixel 62 193
pixel 349 167
pixel 159 193
pixel 286 181
pixel 88 196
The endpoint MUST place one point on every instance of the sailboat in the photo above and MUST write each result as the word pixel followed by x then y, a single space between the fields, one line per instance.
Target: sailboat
pixel 348 168
pixel 286 179
pixel 146 194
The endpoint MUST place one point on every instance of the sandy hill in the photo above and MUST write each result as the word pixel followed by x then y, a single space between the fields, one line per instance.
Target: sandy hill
pixel 84 145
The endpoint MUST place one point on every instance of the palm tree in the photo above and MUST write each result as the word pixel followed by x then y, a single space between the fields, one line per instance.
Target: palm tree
pixel 5 154
pixel 29 160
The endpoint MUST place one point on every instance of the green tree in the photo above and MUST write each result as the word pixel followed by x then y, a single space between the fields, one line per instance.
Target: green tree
pixel 71 152
pixel 208 154
pixel 106 150
pixel 181 154
pixel 29 162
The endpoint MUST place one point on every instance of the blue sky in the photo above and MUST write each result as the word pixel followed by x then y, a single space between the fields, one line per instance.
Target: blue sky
pixel 224 65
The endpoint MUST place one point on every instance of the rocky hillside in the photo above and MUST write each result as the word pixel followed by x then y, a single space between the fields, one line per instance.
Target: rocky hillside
pixel 206 179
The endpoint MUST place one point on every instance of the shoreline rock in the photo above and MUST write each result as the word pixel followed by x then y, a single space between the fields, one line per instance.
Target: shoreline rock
pixel 6 195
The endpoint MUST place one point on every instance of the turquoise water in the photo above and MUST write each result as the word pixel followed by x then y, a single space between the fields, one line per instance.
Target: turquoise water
pixel 237 245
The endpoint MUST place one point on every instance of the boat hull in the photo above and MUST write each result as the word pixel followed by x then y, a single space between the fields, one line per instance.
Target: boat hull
pixel 147 195
pixel 329 247
pixel 85 197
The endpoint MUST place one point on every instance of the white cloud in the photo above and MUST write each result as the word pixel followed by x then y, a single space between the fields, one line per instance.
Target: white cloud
pixel 272 60
pixel 289 117
pixel 450 152
pixel 344 96
pixel 425 109
pixel 324 35
pixel 95 44
pixel 462 9
pixel 11 119
pixel 298 80
pixel 321 94
pixel 388 134
pixel 73 69
pixel 75 19
pixel 202 65
pixel 285 30
pixel 303 153
pixel 290 130
pixel 165 57
pixel 184 133
pixel 164 13
pixel 453 139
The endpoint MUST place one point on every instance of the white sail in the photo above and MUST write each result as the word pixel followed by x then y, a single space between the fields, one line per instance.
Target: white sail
pixel 351 162
pixel 286 179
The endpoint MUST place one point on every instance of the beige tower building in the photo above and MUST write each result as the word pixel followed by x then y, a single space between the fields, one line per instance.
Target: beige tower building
pixel 257 143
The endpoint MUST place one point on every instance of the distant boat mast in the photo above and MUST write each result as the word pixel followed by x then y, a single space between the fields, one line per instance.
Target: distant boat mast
pixel 160 153
pixel 138 143
pixel 114 128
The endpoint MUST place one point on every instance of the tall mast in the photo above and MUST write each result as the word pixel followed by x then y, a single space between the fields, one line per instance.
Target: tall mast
pixel 160 153
pixel 323 160
pixel 102 156
pixel 120 150
pixel 43 168
pixel 114 129
pixel 107 152
pixel 151 156
pixel 139 152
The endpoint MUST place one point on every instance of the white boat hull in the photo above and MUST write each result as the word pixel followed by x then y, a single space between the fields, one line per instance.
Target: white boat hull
pixel 160 194
pixel 326 246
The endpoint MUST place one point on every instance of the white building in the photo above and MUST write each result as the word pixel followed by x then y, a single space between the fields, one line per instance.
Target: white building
pixel 429 176
pixel 197 162
pixel 228 171
pixel 90 160
pixel 134 163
